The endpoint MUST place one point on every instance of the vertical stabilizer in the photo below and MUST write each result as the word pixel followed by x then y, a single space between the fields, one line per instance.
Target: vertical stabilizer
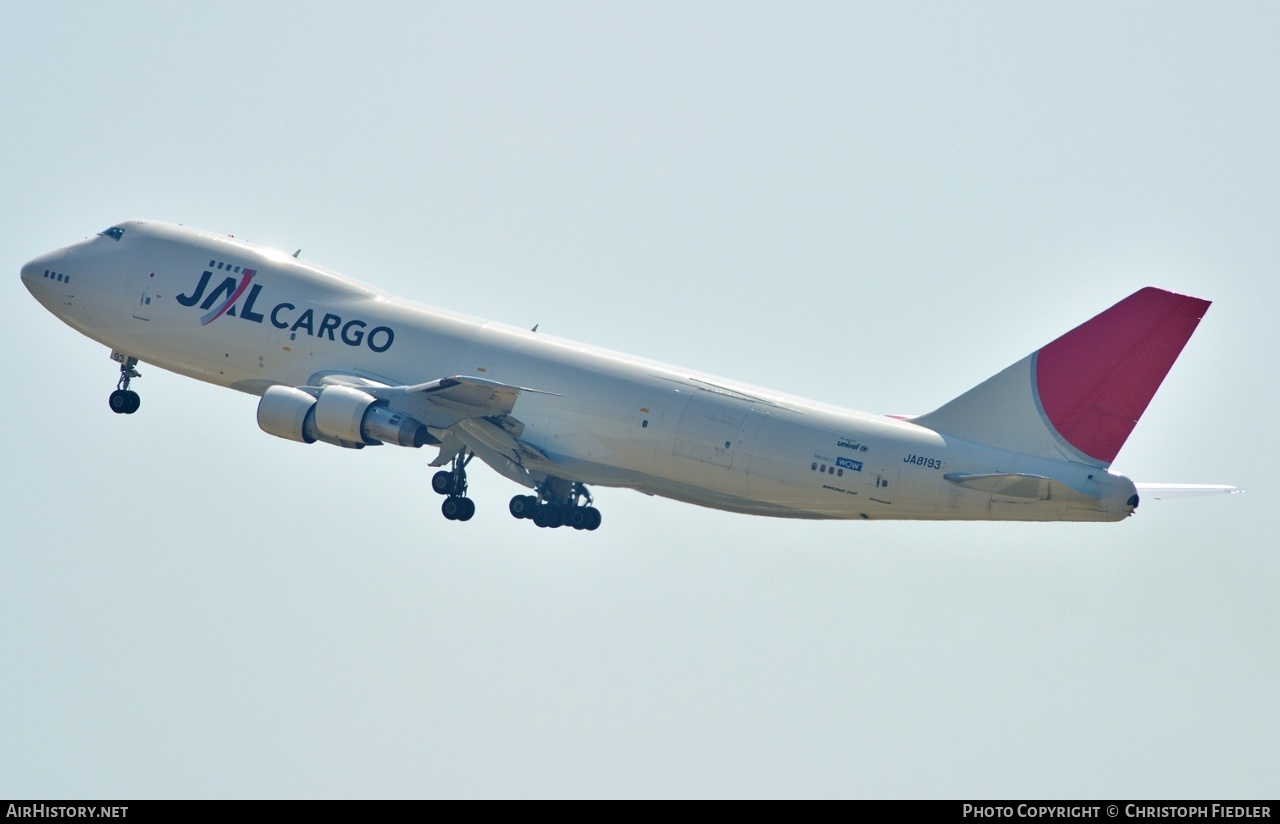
pixel 1079 397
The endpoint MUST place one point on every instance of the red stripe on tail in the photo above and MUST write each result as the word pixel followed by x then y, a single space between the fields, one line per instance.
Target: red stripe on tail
pixel 1095 381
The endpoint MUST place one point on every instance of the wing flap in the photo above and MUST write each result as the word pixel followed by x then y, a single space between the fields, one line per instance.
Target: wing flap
pixel 498 439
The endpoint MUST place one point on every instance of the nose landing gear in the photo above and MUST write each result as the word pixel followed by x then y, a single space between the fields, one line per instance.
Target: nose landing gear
pixel 123 401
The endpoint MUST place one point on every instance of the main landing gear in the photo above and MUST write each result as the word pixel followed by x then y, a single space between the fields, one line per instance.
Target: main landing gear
pixel 452 483
pixel 558 503
pixel 123 401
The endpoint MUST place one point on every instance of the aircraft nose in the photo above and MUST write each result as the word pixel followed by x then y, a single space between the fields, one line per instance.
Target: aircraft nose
pixel 37 270
pixel 31 273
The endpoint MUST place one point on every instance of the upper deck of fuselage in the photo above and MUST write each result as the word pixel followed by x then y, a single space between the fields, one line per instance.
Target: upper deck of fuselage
pixel 178 242
pixel 500 334
pixel 220 246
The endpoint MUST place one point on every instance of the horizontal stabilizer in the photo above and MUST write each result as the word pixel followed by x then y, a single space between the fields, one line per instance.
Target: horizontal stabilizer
pixel 1018 485
pixel 1162 492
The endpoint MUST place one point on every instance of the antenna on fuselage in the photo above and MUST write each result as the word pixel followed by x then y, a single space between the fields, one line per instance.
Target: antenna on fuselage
pixel 295 254
pixel 535 327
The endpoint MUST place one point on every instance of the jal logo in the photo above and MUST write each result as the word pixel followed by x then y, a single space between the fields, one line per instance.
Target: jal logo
pixel 222 301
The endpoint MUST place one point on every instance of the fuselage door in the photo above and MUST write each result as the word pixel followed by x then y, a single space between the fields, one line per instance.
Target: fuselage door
pixel 708 428
pixel 744 445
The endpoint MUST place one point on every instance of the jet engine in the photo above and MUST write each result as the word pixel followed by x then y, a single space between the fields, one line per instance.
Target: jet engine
pixel 340 415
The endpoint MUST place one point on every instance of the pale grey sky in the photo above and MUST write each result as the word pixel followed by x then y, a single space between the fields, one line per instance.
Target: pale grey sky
pixel 874 205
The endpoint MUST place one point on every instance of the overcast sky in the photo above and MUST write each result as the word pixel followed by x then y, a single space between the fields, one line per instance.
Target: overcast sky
pixel 873 205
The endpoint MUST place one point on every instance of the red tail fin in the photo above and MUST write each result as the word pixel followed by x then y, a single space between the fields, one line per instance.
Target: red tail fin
pixel 1096 381
pixel 1080 396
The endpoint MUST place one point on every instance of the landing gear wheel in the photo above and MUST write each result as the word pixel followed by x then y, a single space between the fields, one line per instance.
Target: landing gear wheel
pixel 124 402
pixel 555 516
pixel 523 506
pixel 558 503
pixel 453 481
pixel 458 509
pixel 585 517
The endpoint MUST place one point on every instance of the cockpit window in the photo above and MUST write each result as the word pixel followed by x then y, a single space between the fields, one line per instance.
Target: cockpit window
pixel 115 232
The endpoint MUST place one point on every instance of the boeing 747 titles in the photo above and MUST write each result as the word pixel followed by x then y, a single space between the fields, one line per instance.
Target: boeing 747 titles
pixel 337 361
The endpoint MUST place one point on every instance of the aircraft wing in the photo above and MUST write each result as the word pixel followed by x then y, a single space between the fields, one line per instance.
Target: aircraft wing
pixel 480 393
pixel 440 403
pixel 464 412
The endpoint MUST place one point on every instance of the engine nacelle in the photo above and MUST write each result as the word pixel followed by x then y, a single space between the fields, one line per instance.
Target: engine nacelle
pixel 289 413
pixel 341 415
pixel 340 412
pixel 385 425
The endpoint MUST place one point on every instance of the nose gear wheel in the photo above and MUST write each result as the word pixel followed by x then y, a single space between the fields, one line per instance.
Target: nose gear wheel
pixel 123 401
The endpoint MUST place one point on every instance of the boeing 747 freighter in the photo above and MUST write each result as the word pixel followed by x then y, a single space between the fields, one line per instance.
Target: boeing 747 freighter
pixel 336 361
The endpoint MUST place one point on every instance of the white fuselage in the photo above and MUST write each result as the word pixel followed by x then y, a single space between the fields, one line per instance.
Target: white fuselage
pixel 598 417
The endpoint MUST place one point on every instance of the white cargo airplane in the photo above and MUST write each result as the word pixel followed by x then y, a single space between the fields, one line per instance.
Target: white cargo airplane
pixel 337 361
